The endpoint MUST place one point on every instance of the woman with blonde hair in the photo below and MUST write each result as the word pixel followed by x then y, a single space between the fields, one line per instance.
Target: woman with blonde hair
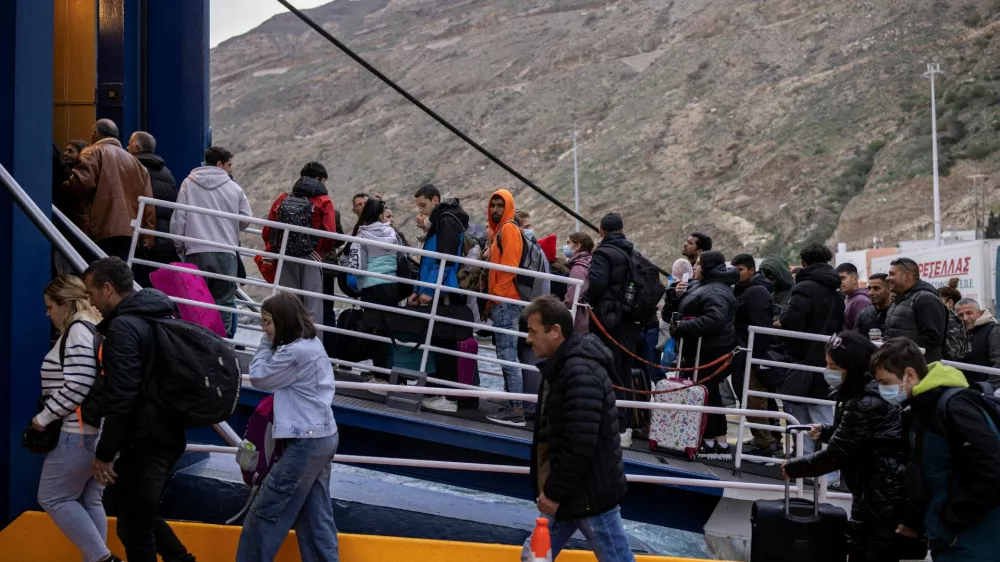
pixel 67 490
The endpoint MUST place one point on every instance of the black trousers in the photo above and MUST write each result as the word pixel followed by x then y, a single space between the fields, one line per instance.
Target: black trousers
pixel 627 334
pixel 116 246
pixel 143 474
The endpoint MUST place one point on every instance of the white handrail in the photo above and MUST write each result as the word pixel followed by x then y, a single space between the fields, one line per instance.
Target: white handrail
pixel 514 469
pixel 356 240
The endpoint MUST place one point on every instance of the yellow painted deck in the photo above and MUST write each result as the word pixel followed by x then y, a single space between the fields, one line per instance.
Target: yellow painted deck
pixel 33 536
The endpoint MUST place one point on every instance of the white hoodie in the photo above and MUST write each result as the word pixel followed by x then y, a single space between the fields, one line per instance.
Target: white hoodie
pixel 209 187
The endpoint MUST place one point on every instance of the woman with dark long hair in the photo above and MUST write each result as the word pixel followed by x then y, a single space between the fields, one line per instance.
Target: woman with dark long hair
pixel 866 444
pixel 292 363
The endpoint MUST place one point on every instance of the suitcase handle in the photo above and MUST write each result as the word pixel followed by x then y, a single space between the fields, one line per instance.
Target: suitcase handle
pixel 788 433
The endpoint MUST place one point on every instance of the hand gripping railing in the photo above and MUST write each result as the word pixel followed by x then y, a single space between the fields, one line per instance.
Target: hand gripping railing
pixel 438 286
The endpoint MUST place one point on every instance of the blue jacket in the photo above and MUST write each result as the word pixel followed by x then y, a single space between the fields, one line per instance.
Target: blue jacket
pixel 301 377
pixel 448 223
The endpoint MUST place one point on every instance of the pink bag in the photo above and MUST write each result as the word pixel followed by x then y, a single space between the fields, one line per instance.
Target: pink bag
pixel 191 287
pixel 467 367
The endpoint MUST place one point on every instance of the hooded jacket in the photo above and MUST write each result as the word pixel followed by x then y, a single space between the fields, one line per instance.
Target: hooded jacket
pixel 712 308
pixel 606 278
pixel 920 315
pixel 164 189
pixel 984 349
pixel 448 223
pixel 370 258
pixel 103 192
pixel 579 267
pixel 953 471
pixel 576 456
pixel 324 216
pixel 503 284
pixel 127 362
pixel 856 301
pixel 777 268
pixel 209 187
pixel 754 307
pixel 867 444
pixel 813 307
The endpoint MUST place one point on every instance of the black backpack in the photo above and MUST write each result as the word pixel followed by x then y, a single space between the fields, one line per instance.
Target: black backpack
pixel 296 210
pixel 196 374
pixel 984 398
pixel 98 341
pixel 647 287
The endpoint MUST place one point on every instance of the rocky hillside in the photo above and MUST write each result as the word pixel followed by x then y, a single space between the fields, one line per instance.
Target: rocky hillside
pixel 766 123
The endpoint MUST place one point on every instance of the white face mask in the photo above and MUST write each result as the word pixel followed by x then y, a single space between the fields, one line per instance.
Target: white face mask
pixel 568 251
pixel 833 378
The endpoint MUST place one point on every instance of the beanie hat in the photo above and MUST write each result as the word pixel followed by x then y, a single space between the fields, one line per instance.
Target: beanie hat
pixel 711 260
pixel 612 222
pixel 548 245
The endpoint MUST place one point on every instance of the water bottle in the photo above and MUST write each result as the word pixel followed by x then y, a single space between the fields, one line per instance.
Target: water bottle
pixel 875 335
pixel 630 296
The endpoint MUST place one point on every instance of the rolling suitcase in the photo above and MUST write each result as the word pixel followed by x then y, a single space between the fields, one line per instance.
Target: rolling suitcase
pixel 191 287
pixel 673 430
pixel 796 529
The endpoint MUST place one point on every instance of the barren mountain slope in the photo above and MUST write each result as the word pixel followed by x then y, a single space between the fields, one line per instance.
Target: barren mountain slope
pixel 765 123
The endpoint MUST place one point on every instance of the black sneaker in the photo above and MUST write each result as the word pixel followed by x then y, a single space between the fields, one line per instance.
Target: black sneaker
pixel 723 453
pixel 706 452
pixel 510 416
pixel 753 449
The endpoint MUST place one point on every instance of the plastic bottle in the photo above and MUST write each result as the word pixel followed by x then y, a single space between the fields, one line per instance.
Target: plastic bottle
pixel 541 543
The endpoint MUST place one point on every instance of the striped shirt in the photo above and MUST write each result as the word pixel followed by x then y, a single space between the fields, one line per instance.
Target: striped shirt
pixel 66 385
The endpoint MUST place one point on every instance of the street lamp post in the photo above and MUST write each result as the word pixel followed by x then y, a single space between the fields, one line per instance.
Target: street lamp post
pixel 934 69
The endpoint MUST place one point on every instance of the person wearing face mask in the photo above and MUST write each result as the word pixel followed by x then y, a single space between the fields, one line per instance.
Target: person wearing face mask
pixel 866 445
pixel 954 467
pixel 579 251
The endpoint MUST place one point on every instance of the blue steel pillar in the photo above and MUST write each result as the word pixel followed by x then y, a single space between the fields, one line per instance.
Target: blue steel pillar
pixel 119 86
pixel 26 60
pixel 177 81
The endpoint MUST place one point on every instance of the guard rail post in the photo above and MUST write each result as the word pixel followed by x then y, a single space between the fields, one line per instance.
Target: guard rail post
pixel 744 402
pixel 430 321
pixel 137 223
pixel 281 263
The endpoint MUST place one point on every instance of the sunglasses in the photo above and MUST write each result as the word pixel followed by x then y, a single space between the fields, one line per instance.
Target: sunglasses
pixel 836 342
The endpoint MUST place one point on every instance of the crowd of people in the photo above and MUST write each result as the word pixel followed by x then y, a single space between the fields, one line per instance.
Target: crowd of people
pixel 925 471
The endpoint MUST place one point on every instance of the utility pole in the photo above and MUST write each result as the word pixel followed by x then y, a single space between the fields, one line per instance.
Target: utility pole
pixel 979 193
pixel 934 69
pixel 576 183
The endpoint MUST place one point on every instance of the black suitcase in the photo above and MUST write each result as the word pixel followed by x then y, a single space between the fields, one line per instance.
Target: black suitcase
pixel 796 529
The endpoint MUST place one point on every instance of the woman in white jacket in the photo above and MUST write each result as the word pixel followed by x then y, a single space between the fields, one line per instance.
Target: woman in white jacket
pixel 67 490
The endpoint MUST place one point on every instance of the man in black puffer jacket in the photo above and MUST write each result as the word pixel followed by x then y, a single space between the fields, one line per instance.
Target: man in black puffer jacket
pixel 914 314
pixel 142 145
pixel 814 307
pixel 609 270
pixel 139 443
pixel 709 310
pixel 576 458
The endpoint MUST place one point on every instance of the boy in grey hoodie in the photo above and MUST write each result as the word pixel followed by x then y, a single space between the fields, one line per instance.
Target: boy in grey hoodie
pixel 212 187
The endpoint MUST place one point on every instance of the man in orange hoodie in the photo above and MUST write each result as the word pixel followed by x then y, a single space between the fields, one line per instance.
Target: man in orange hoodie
pixel 505 249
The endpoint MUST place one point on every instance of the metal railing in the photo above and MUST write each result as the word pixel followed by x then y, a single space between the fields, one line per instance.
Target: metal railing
pixel 798 489
pixel 438 286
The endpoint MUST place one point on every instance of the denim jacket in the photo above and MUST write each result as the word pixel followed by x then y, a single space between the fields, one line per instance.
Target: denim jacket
pixel 301 377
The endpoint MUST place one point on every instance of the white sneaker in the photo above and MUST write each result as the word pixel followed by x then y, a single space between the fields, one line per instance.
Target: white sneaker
pixel 626 438
pixel 378 381
pixel 440 404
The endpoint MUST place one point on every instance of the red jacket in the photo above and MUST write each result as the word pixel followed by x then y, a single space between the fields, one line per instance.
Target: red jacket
pixel 324 216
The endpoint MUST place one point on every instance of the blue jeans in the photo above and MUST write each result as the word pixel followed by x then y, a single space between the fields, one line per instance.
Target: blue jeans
pixel 68 492
pixel 605 534
pixel 296 493
pixel 647 350
pixel 809 414
pixel 506 315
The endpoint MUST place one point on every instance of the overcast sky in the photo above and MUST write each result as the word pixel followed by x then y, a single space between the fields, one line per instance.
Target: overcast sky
pixel 235 17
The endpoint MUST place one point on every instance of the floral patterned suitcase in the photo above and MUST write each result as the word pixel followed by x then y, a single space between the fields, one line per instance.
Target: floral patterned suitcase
pixel 673 430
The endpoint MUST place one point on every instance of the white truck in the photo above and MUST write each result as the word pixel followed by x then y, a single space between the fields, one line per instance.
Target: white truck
pixel 973 263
